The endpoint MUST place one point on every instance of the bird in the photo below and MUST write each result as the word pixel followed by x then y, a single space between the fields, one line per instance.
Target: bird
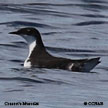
pixel 39 57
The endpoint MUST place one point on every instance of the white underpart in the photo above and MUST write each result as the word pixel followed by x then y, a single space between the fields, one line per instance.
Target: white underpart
pixel 70 66
pixel 27 64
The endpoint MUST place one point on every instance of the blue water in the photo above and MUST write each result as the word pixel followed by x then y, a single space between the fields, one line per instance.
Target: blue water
pixel 70 28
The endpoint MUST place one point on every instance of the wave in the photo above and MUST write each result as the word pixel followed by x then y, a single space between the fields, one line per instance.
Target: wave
pixel 26 23
pixel 38 80
pixel 86 23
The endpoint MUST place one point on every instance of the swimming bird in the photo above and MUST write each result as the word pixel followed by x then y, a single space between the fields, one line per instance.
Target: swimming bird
pixel 39 57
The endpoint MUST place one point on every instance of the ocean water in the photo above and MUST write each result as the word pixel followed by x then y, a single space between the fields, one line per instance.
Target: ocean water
pixel 73 29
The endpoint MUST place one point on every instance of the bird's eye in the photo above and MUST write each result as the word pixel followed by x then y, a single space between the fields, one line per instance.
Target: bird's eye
pixel 28 30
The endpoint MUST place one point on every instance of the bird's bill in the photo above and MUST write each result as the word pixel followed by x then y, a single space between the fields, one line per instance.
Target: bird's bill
pixel 15 32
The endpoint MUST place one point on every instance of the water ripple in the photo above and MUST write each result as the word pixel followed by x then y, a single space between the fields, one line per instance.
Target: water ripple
pixel 86 23
pixel 39 80
pixel 20 79
pixel 67 50
pixel 10 45
pixel 26 23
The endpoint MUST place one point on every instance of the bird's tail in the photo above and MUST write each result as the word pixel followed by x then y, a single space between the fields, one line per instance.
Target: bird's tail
pixel 87 65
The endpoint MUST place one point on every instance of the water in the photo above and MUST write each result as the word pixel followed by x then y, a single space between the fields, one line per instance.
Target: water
pixel 70 28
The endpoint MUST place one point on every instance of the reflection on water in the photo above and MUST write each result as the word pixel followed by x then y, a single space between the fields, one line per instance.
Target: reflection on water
pixel 70 28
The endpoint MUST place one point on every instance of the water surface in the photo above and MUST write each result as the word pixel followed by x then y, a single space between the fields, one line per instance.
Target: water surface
pixel 70 28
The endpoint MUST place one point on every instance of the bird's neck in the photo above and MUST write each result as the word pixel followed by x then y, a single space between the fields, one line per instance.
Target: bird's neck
pixel 35 43
pixel 39 41
pixel 32 46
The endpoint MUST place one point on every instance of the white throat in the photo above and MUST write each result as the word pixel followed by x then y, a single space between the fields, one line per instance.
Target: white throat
pixel 27 63
pixel 31 47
